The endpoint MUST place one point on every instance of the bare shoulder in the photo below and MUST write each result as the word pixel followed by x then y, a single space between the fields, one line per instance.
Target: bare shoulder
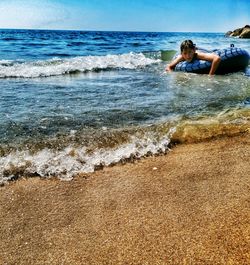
pixel 206 56
pixel 179 58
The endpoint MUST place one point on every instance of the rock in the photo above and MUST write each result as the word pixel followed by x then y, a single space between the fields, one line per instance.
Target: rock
pixel 243 32
pixel 236 32
pixel 228 33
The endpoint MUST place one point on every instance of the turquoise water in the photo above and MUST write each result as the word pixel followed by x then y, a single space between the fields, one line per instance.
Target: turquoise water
pixel 74 101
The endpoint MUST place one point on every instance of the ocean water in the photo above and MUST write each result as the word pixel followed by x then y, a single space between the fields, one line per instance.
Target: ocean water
pixel 76 101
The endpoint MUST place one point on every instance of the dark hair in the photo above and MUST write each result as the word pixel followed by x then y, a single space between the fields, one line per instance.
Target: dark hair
pixel 187 44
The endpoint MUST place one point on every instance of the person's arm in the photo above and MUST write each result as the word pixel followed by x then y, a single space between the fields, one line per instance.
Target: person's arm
pixel 212 57
pixel 170 67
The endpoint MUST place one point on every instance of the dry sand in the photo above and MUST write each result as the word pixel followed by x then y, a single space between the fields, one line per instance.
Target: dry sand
pixel 190 206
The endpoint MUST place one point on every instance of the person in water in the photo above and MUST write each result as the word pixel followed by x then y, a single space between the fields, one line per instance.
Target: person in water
pixel 189 54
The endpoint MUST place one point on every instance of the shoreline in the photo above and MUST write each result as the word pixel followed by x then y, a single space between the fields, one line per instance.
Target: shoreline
pixel 190 206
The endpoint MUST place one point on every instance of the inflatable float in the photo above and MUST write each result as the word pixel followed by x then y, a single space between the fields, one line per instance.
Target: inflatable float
pixel 232 60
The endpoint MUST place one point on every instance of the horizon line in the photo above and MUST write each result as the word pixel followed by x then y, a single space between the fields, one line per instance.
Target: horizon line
pixel 101 30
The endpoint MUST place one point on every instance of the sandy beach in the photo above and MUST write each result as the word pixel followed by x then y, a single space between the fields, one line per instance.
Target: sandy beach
pixel 190 206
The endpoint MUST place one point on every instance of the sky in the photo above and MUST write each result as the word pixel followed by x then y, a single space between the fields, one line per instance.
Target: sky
pixel 126 15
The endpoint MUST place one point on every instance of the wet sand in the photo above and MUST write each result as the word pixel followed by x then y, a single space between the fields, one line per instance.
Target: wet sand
pixel 190 206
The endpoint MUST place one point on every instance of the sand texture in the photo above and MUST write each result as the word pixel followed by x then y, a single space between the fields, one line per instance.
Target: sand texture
pixel 190 206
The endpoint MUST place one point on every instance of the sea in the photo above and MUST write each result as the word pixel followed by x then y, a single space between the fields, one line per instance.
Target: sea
pixel 73 102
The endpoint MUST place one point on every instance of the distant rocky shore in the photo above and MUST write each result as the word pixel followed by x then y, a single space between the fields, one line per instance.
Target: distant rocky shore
pixel 243 32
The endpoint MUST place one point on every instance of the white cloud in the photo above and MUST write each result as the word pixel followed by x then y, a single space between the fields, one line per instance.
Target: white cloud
pixel 31 14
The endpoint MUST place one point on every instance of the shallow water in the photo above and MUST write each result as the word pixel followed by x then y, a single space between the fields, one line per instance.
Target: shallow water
pixel 75 101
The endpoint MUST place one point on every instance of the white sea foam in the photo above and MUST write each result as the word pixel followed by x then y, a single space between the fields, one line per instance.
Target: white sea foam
pixel 71 161
pixel 53 67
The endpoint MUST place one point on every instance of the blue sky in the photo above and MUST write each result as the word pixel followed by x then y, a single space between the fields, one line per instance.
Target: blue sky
pixel 126 15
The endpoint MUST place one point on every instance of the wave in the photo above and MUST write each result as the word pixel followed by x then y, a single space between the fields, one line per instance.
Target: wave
pixel 10 39
pixel 70 161
pixel 76 43
pixel 56 66
pixel 118 146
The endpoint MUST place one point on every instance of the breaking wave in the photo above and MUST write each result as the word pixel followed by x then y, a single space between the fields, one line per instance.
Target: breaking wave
pixel 75 159
pixel 70 161
pixel 56 66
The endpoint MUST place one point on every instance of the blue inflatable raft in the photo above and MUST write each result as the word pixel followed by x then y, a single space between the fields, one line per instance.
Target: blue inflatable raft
pixel 232 60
